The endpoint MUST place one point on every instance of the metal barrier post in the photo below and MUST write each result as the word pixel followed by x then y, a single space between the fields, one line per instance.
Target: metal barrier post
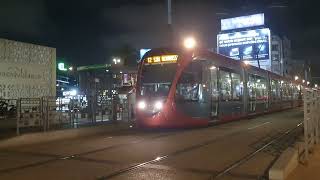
pixel 18 115
pixel 47 114
pixel 43 115
pixel 318 114
pixel 306 110
pixel 311 121
pixel 315 116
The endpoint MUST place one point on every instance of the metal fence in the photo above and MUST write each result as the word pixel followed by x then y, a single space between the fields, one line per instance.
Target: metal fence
pixel 8 108
pixel 311 119
pixel 48 113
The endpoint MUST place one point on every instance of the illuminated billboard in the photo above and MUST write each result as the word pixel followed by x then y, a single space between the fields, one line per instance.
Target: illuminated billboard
pixel 251 45
pixel 143 52
pixel 242 22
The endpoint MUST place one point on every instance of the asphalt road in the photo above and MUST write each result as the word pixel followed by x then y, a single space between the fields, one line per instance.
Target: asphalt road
pixel 139 154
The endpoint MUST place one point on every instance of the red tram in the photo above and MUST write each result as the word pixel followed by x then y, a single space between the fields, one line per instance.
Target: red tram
pixel 177 88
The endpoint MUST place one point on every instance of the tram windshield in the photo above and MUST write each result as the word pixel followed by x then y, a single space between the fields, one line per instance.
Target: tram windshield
pixel 156 79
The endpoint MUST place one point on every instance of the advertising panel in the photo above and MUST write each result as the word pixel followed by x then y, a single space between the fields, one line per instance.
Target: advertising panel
pixel 26 70
pixel 242 22
pixel 251 45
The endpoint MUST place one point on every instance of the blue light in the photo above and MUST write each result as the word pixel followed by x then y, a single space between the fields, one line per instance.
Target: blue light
pixel 143 52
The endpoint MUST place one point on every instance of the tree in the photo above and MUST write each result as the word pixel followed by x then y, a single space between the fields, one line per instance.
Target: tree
pixel 128 54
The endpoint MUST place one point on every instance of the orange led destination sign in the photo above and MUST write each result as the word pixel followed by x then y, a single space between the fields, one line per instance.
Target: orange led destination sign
pixel 162 59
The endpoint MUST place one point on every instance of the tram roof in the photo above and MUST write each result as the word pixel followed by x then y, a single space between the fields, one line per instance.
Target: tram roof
pixel 204 53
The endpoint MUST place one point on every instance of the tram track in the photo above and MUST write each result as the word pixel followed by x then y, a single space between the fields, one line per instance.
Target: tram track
pixel 214 175
pixel 77 156
pixel 253 154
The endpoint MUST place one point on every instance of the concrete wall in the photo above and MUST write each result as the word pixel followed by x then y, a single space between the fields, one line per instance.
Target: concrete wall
pixel 26 70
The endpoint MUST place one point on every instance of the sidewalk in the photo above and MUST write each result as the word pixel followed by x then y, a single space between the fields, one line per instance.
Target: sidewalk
pixel 310 171
pixel 42 137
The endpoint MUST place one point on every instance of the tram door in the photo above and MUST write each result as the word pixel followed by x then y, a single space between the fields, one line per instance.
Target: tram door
pixel 258 94
pixel 252 100
pixel 214 93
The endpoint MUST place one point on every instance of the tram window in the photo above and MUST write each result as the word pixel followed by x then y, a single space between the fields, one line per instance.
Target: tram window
pixel 290 91
pixel 188 88
pixel 155 89
pixel 214 83
pixel 261 88
pixel 285 91
pixel 296 90
pixel 225 81
pixel 275 90
pixel 251 87
pixel 257 87
pixel 237 86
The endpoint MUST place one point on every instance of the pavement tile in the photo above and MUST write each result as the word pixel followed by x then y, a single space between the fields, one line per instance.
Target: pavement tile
pixel 10 160
pixel 309 171
pixel 161 174
pixel 63 170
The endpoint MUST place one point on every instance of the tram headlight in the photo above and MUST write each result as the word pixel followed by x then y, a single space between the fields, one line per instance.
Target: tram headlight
pixel 158 105
pixel 142 105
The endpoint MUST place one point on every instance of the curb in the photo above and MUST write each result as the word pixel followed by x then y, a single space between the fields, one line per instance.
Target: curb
pixel 285 164
pixel 43 137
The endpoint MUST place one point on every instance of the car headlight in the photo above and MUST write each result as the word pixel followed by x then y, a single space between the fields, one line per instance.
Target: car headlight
pixel 142 105
pixel 158 105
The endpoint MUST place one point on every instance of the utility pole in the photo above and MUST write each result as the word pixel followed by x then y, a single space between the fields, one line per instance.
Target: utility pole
pixel 257 55
pixel 170 28
pixel 169 13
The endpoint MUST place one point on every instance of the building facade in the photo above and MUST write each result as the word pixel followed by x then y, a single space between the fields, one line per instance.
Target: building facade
pixel 106 80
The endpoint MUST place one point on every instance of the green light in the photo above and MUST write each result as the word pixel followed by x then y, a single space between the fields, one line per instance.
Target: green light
pixel 61 67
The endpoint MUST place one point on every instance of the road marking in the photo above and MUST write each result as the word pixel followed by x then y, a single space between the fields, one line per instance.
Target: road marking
pixel 250 128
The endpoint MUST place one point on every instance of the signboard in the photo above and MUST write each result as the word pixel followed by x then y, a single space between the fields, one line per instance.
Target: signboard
pixel 61 67
pixel 143 52
pixel 162 59
pixel 251 45
pixel 242 22
pixel 93 67
pixel 26 70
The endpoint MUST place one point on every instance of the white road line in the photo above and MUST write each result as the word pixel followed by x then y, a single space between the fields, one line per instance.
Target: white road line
pixel 259 125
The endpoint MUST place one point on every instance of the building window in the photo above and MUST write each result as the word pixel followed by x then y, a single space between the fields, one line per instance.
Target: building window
pixel 275 47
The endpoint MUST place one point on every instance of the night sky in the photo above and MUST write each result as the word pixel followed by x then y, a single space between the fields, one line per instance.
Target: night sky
pixel 87 32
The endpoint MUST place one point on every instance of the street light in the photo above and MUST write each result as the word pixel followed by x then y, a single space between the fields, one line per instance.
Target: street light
pixel 296 78
pixel 303 81
pixel 246 62
pixel 316 85
pixel 189 43
pixel 308 82
pixel 116 60
pixel 70 68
